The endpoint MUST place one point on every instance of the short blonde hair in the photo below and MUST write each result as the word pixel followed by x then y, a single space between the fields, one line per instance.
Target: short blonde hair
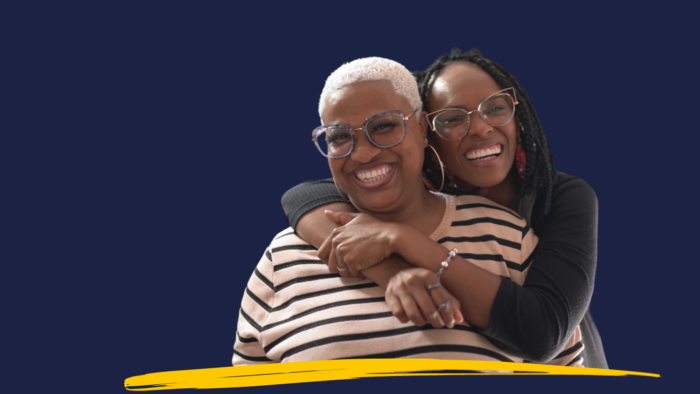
pixel 372 69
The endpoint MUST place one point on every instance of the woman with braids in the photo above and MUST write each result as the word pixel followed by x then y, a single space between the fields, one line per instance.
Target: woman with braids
pixel 508 163
pixel 373 135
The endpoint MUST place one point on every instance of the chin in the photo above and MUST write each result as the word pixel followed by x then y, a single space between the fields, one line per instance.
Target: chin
pixel 375 203
pixel 487 180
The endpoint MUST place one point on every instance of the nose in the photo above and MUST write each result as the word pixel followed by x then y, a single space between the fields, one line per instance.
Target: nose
pixel 364 151
pixel 479 128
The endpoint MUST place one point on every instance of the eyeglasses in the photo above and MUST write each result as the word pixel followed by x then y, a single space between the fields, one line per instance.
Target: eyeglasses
pixel 383 130
pixel 453 123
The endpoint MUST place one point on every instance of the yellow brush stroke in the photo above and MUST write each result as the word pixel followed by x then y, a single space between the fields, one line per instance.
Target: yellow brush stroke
pixel 319 371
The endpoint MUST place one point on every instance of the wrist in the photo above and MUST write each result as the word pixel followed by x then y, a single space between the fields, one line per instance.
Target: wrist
pixel 400 234
pixel 404 236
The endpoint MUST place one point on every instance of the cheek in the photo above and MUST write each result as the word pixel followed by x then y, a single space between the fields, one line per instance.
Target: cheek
pixel 447 150
pixel 336 167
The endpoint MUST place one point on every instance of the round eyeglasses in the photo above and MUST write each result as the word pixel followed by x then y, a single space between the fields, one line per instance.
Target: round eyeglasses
pixel 453 123
pixel 383 130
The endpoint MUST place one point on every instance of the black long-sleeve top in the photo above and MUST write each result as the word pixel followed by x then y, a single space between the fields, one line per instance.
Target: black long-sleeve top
pixel 535 320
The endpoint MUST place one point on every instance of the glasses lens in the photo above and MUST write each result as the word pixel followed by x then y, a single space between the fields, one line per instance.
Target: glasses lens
pixel 333 142
pixel 387 130
pixel 498 110
pixel 452 124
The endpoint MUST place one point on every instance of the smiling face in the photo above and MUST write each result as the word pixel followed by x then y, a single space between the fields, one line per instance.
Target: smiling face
pixel 484 157
pixel 377 180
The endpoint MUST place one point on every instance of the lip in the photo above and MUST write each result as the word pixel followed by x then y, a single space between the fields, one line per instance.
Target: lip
pixel 484 145
pixel 373 185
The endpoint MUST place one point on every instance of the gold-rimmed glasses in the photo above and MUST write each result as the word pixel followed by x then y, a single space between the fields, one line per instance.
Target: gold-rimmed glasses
pixel 497 109
pixel 383 130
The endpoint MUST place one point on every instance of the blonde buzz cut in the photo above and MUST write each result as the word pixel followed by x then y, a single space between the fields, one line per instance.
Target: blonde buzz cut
pixel 372 69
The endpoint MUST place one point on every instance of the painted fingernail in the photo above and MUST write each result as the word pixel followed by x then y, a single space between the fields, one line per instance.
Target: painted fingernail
pixel 452 324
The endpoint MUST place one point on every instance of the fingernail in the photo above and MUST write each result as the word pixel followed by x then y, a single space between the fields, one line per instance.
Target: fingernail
pixel 452 324
pixel 440 320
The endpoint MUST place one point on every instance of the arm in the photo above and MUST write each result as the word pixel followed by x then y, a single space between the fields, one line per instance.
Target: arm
pixel 305 197
pixel 474 287
pixel 305 204
pixel 535 320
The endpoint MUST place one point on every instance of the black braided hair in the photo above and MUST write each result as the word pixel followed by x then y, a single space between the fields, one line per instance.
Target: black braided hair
pixel 540 170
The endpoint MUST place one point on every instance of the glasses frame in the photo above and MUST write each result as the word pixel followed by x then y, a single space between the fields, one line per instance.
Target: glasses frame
pixel 320 129
pixel 509 91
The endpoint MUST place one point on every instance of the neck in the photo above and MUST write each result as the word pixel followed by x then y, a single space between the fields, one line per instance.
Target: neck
pixel 502 193
pixel 423 211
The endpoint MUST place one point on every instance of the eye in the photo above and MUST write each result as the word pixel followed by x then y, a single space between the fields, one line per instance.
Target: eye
pixel 453 120
pixel 337 138
pixel 495 110
pixel 383 127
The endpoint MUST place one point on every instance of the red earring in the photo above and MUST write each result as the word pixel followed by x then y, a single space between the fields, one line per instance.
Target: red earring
pixel 520 160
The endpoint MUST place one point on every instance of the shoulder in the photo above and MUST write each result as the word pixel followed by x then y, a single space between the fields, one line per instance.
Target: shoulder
pixel 570 189
pixel 574 208
pixel 476 205
pixel 287 246
pixel 482 215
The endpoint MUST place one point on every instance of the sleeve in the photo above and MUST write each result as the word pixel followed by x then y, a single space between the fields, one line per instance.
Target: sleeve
pixel 306 196
pixel 535 321
pixel 257 303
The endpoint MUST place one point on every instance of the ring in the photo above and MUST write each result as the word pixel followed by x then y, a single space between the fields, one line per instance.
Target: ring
pixel 340 269
pixel 446 304
pixel 435 286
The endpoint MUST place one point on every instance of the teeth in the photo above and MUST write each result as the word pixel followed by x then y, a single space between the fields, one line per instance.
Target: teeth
pixel 477 154
pixel 374 175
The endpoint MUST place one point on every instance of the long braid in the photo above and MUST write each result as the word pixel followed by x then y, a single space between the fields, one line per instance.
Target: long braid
pixel 540 170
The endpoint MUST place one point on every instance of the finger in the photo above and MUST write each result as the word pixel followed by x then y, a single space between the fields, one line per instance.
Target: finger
pixel 412 310
pixel 341 218
pixel 324 250
pixel 440 297
pixel 332 266
pixel 354 272
pixel 353 269
pixel 396 307
pixel 332 216
pixel 340 264
pixel 428 307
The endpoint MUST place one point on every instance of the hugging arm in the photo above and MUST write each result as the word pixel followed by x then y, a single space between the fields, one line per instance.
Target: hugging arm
pixel 535 320
pixel 305 205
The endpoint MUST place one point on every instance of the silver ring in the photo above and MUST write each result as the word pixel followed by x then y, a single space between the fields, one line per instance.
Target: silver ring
pixel 435 286
pixel 340 268
pixel 446 304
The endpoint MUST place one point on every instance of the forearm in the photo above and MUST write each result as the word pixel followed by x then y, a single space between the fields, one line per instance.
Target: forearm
pixel 384 271
pixel 474 287
pixel 314 227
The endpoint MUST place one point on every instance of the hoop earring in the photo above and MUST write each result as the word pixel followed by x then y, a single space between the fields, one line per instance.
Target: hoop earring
pixel 442 170
pixel 339 192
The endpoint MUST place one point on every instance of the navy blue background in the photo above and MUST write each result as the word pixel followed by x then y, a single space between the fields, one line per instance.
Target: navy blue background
pixel 147 145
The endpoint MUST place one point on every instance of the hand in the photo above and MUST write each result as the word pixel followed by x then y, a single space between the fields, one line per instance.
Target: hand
pixel 361 242
pixel 409 299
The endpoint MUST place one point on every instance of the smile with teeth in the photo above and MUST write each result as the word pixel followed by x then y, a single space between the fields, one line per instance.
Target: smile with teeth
pixel 375 174
pixel 484 154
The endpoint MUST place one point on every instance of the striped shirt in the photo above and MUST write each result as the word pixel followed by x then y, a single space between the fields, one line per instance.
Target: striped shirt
pixel 293 309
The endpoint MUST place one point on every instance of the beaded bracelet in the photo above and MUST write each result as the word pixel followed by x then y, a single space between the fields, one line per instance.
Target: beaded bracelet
pixel 446 263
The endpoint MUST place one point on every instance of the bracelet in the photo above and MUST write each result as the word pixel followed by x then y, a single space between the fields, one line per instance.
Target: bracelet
pixel 446 263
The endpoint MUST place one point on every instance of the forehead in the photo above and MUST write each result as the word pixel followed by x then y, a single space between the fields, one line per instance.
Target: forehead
pixel 461 84
pixel 358 101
